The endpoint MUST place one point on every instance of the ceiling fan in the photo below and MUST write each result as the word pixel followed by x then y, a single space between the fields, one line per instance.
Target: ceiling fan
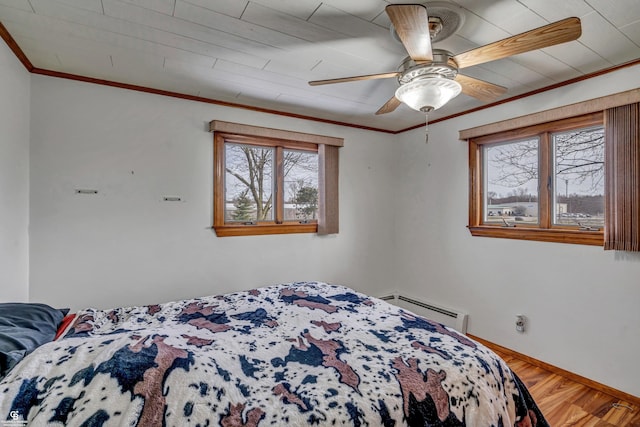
pixel 429 77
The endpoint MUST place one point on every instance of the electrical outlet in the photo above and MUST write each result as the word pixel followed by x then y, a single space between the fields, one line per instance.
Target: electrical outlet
pixel 520 323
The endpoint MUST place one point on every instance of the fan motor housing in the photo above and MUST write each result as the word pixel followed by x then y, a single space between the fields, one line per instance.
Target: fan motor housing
pixel 442 65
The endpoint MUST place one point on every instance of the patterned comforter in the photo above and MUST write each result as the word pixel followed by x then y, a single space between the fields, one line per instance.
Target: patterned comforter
pixel 285 355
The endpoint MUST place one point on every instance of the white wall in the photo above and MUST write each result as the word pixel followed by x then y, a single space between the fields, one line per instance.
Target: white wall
pixel 581 302
pixel 14 177
pixel 125 246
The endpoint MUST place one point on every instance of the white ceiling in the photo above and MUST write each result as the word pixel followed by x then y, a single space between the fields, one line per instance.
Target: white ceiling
pixel 262 52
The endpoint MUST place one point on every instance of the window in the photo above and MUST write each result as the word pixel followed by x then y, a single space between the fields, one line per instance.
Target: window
pixel 269 181
pixel 543 182
pixel 578 178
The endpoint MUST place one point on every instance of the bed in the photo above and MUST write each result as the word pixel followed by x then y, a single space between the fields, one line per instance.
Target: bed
pixel 285 355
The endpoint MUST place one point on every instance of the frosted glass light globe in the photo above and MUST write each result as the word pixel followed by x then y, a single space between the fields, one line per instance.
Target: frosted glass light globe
pixel 428 93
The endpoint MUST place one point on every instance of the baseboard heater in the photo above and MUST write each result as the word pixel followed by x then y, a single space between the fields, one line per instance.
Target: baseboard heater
pixel 449 317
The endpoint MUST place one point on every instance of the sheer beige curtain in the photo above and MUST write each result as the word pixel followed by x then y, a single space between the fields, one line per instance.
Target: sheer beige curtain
pixel 622 175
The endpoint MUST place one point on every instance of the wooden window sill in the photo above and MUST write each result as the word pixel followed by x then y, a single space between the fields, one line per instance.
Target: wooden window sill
pixel 593 238
pixel 263 229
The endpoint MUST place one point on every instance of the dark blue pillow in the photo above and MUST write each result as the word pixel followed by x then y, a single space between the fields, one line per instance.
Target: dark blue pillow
pixel 23 328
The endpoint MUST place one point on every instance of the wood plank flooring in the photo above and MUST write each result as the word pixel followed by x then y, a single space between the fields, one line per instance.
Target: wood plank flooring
pixel 565 402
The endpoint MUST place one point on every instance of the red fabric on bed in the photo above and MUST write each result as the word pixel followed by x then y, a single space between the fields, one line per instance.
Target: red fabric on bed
pixel 66 321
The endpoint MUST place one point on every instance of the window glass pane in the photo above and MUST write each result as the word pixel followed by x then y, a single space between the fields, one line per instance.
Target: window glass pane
pixel 300 185
pixel 511 182
pixel 248 183
pixel 579 177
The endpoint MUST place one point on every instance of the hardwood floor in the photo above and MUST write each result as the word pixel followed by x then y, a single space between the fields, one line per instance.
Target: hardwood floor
pixel 565 402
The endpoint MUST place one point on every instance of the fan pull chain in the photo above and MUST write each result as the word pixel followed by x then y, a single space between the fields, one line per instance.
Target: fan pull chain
pixel 426 128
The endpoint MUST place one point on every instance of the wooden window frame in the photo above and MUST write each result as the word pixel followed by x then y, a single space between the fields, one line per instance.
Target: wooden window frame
pixel 280 140
pixel 545 230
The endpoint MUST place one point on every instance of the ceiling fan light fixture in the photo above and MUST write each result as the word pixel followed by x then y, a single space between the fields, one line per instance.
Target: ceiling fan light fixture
pixel 428 93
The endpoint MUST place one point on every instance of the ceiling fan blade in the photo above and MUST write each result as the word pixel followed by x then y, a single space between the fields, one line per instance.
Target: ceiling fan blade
pixel 411 23
pixel 479 89
pixel 559 32
pixel 354 78
pixel 389 106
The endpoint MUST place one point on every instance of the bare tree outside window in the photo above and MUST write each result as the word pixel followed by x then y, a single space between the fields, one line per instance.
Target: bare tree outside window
pixel 250 186
pixel 249 172
pixel 301 184
pixel 511 181
pixel 269 181
pixel 543 182
pixel 579 177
